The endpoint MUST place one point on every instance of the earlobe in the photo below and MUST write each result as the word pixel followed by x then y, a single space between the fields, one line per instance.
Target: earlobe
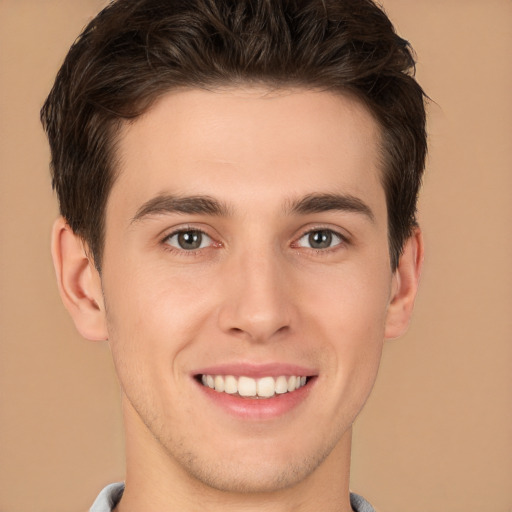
pixel 79 282
pixel 405 286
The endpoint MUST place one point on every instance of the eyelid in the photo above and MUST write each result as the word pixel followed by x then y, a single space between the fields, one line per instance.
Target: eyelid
pixel 168 234
pixel 174 234
pixel 343 238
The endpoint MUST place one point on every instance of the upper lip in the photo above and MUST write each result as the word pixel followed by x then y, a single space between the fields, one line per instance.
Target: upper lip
pixel 257 370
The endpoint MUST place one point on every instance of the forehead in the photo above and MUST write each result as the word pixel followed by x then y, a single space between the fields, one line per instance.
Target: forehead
pixel 240 144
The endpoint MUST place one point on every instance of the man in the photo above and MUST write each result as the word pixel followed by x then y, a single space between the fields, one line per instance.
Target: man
pixel 238 182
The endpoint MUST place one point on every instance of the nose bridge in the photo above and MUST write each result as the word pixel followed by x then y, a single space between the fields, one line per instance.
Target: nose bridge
pixel 256 301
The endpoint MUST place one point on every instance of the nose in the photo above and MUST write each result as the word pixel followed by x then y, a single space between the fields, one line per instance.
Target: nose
pixel 257 295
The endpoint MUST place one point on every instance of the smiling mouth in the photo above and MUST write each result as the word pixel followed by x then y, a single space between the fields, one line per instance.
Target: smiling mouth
pixel 247 387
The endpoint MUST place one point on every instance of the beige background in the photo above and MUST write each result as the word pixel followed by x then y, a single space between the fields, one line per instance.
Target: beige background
pixel 437 431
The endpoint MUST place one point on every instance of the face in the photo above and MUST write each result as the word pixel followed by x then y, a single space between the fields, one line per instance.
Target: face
pixel 247 281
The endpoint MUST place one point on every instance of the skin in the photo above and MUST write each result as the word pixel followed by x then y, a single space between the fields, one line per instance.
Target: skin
pixel 255 291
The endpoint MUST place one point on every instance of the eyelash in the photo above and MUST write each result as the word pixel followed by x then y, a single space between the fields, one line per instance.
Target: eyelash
pixel 343 241
pixel 185 252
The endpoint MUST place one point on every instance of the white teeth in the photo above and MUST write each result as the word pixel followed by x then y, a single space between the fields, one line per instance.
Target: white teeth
pixel 230 385
pixel 265 387
pixel 282 385
pixel 246 386
pixel 219 383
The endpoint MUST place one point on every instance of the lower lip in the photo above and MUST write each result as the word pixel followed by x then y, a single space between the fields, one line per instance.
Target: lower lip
pixel 258 408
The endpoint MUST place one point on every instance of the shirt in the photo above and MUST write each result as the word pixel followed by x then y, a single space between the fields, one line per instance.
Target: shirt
pixel 110 496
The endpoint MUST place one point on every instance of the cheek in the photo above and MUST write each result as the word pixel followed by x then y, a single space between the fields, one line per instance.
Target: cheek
pixel 154 313
pixel 350 300
pixel 350 315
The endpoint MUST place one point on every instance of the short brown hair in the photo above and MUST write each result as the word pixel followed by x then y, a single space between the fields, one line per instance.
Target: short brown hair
pixel 134 51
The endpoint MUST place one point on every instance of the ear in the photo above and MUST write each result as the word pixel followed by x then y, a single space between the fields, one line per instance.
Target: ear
pixel 79 282
pixel 404 286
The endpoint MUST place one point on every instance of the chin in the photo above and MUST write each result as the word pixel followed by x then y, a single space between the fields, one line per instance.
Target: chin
pixel 263 473
pixel 257 479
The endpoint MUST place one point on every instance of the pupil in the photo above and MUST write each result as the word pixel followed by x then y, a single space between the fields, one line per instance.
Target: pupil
pixel 190 239
pixel 320 239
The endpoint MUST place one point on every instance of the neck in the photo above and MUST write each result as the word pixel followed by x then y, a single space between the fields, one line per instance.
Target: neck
pixel 156 481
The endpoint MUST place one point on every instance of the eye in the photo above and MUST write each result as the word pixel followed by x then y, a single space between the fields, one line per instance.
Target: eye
pixel 188 240
pixel 320 239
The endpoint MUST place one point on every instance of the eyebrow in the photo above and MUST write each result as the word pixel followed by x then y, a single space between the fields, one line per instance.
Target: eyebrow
pixel 317 203
pixel 197 205
pixel 206 205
